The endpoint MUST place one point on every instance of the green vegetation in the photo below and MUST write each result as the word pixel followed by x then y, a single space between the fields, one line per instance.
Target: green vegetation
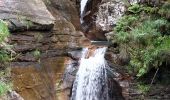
pixel 4 57
pixel 165 10
pixel 143 88
pixel 145 36
pixel 36 53
pixel 4 88
pixel 4 33
pixel 28 23
pixel 4 48
pixel 125 22
pixel 136 8
pixel 5 85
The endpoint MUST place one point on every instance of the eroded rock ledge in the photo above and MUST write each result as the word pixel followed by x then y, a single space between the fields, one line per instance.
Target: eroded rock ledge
pixel 26 14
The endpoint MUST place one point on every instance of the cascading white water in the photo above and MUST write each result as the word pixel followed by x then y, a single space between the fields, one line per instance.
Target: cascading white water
pixel 82 8
pixel 91 78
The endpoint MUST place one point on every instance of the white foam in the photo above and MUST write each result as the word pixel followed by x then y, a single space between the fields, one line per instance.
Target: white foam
pixel 82 9
pixel 91 78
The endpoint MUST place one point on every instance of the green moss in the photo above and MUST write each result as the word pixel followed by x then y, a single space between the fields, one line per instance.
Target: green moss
pixel 5 85
pixel 4 33
pixel 3 88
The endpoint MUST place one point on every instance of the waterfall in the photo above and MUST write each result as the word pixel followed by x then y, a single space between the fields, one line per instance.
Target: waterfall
pixel 91 78
pixel 82 9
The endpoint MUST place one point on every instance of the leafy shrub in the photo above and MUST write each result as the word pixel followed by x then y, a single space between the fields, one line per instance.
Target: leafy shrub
pixel 135 8
pixel 4 58
pixel 165 10
pixel 145 44
pixel 4 87
pixel 150 9
pixel 4 33
pixel 125 22
pixel 143 88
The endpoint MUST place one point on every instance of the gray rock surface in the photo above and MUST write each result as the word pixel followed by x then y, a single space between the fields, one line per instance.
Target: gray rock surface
pixel 110 11
pixel 26 15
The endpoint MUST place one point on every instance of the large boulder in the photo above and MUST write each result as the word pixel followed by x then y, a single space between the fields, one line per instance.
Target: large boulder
pixel 109 13
pixel 100 16
pixel 26 15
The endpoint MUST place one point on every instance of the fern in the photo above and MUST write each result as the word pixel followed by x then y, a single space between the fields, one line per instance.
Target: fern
pixel 124 22
pixel 146 44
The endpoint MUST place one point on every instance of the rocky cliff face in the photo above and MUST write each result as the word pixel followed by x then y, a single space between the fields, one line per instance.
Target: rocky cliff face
pixel 46 37
pixel 100 16
pixel 24 14
pixel 43 35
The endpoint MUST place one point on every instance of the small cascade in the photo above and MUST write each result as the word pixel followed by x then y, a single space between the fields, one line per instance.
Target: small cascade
pixel 82 9
pixel 91 78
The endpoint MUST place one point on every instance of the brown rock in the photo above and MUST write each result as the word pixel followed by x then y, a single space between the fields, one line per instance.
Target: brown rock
pixel 25 47
pixel 67 9
pixel 37 81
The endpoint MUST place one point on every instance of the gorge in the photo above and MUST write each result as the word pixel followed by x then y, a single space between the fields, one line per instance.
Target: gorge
pixel 84 49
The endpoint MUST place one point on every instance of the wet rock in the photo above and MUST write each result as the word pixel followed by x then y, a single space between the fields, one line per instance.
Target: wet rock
pixel 89 17
pixel 26 15
pixel 21 38
pixel 13 95
pixel 119 58
pixel 76 55
pixel 68 10
pixel 25 47
pixel 66 26
pixel 38 80
pixel 53 53
pixel 26 58
pixel 115 90
pixel 70 74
